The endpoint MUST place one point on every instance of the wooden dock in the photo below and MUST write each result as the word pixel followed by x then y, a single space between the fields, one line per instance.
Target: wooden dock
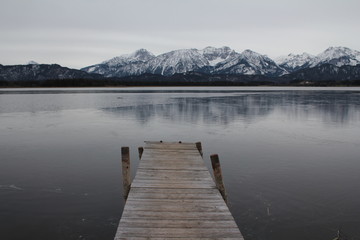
pixel 173 196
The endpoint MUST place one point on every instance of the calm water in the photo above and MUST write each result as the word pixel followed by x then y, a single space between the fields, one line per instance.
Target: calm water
pixel 290 156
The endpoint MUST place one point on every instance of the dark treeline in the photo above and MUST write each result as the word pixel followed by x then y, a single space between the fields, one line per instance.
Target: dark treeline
pixel 120 83
pixel 188 79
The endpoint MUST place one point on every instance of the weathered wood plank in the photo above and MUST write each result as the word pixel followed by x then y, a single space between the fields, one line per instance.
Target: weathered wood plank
pixel 174 174
pixel 173 191
pixel 173 167
pixel 176 201
pixel 169 196
pixel 170 147
pixel 176 232
pixel 170 162
pixel 177 207
pixel 149 196
pixel 174 181
pixel 177 223
pixel 177 215
pixel 172 157
pixel 153 164
pixel 175 238
pixel 179 178
pixel 172 185
pixel 188 152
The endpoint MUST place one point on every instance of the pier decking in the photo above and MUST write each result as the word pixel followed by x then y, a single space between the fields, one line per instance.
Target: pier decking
pixel 173 196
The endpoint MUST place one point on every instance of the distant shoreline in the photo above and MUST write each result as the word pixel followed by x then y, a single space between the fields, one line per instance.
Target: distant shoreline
pixel 317 84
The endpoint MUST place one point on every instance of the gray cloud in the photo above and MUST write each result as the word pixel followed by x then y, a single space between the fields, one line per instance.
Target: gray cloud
pixel 78 33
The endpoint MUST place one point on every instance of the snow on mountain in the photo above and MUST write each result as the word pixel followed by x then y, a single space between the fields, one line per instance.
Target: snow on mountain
pixel 216 55
pixel 124 65
pixel 338 56
pixel 219 61
pixel 293 62
pixel 178 61
pixel 334 63
pixel 141 55
pixel 208 60
pixel 249 63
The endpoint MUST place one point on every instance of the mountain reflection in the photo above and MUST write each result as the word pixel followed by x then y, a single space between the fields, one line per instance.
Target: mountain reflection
pixel 330 107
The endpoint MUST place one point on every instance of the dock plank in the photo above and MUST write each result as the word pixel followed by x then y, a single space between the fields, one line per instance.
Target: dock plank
pixel 173 196
pixel 171 223
pixel 176 232
pixel 176 215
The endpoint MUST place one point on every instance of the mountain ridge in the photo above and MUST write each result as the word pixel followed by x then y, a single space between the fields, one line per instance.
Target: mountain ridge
pixel 222 60
pixel 215 64
pixel 338 56
pixel 42 72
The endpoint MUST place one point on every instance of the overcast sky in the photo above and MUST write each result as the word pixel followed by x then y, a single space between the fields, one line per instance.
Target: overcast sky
pixel 78 33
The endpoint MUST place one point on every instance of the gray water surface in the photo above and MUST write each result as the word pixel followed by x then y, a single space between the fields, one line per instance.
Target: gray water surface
pixel 290 156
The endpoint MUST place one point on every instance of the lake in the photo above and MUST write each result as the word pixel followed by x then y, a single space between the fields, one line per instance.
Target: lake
pixel 289 156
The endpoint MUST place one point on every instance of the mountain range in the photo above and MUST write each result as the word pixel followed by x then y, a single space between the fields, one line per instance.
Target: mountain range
pixel 223 60
pixel 206 65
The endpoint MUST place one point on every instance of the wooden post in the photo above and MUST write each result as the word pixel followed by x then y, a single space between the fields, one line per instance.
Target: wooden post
pixel 141 150
pixel 125 158
pixel 218 175
pixel 199 147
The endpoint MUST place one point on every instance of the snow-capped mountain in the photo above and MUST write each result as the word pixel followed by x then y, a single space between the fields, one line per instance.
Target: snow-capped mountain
pixel 140 56
pixel 178 61
pixel 249 63
pixel 188 60
pixel 124 65
pixel 222 60
pixel 294 62
pixel 217 55
pixel 208 60
pixel 338 56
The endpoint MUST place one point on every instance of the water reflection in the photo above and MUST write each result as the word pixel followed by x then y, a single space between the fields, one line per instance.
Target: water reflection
pixel 337 108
